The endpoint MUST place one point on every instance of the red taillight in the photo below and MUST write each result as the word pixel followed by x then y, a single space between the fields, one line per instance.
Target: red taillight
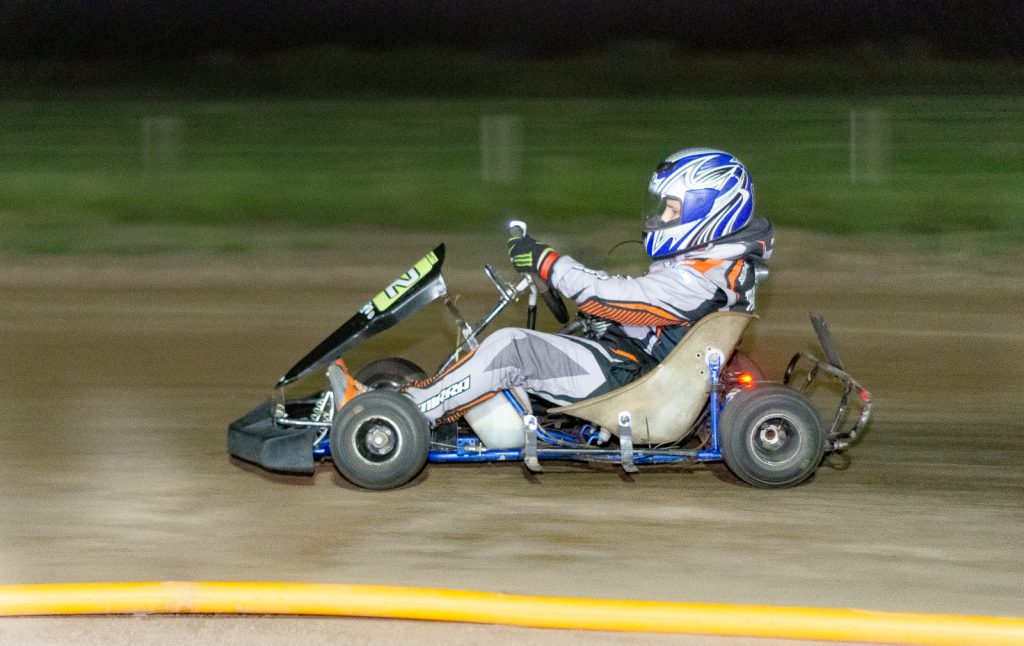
pixel 745 379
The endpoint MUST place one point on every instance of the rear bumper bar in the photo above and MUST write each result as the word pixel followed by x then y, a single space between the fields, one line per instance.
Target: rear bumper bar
pixel 839 436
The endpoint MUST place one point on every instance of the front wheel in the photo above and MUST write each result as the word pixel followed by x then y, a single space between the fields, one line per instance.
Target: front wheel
pixel 380 440
pixel 391 373
pixel 772 437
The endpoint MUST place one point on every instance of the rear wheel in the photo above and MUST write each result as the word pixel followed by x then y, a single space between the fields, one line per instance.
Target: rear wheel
pixel 772 437
pixel 380 440
pixel 391 373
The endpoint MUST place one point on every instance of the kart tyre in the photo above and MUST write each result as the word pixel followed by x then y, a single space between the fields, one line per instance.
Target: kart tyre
pixel 391 373
pixel 380 440
pixel 772 437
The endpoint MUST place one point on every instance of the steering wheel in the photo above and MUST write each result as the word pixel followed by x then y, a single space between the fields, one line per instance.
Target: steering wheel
pixel 551 297
pixel 553 300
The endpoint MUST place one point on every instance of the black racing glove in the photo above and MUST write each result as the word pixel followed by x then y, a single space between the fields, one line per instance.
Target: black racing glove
pixel 528 255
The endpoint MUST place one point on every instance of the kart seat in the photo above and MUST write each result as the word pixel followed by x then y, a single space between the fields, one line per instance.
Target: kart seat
pixel 665 402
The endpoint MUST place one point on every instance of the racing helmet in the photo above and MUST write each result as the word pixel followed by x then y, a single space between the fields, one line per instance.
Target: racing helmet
pixel 695 197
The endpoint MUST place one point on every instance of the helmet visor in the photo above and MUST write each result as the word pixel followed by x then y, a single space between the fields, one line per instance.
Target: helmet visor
pixel 661 211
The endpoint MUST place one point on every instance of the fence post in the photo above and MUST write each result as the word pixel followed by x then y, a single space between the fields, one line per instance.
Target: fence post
pixel 161 143
pixel 870 146
pixel 500 149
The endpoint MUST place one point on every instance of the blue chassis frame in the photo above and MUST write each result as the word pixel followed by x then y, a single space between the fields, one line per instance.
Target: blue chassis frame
pixel 322 450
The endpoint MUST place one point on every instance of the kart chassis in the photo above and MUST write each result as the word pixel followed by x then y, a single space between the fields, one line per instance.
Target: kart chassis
pixel 578 443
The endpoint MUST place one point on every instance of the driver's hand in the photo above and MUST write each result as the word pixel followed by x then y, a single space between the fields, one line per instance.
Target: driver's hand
pixel 528 255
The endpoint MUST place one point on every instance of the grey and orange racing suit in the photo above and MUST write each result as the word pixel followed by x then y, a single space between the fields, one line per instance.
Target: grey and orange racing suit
pixel 649 316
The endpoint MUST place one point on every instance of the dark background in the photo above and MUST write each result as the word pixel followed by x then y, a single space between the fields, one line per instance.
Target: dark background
pixel 953 29
pixel 855 115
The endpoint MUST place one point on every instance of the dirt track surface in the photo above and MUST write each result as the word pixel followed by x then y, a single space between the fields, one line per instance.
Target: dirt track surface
pixel 119 377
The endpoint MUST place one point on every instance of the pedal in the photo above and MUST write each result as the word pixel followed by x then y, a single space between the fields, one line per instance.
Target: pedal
pixel 530 450
pixel 626 442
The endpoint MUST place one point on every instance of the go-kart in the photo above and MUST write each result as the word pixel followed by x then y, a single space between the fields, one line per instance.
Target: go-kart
pixel 705 402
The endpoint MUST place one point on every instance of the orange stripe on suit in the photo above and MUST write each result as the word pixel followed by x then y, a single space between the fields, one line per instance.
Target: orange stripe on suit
pixel 632 313
pixel 456 413
pixel 734 274
pixel 424 383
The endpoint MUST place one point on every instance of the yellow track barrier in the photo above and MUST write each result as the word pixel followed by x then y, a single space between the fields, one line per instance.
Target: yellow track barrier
pixel 320 599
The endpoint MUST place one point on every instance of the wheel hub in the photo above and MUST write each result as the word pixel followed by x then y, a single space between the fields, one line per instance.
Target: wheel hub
pixel 380 439
pixel 772 436
pixel 774 441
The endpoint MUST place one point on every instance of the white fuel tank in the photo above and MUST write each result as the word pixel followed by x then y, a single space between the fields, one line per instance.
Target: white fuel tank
pixel 497 423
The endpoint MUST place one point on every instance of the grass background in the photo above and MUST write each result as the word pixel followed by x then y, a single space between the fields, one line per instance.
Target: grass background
pixel 92 160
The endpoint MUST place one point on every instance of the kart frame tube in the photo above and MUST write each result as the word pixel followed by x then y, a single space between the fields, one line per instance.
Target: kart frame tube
pixel 584 455
pixel 322 450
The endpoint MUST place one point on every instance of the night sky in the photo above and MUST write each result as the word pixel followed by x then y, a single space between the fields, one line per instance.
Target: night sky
pixel 960 29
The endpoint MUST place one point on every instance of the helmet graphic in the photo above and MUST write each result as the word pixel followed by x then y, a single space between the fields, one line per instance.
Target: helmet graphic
pixel 695 196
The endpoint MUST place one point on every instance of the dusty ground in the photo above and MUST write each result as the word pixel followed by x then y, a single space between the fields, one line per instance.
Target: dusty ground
pixel 119 377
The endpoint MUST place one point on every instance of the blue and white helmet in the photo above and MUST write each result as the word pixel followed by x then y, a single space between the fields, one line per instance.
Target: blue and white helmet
pixel 695 197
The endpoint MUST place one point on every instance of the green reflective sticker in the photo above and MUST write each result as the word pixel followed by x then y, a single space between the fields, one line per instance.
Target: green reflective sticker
pixel 404 283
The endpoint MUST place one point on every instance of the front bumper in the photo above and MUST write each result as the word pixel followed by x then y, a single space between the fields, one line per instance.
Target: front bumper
pixel 256 438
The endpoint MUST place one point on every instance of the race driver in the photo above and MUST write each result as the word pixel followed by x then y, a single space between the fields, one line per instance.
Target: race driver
pixel 704 240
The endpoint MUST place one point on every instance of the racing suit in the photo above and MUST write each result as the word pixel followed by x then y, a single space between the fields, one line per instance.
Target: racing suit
pixel 650 315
